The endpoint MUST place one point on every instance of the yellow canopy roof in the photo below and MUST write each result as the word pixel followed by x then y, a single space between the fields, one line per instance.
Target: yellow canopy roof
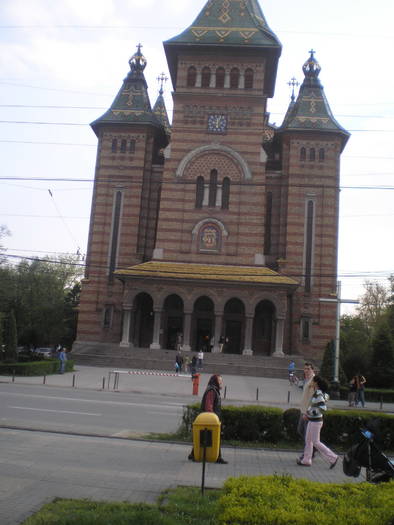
pixel 206 272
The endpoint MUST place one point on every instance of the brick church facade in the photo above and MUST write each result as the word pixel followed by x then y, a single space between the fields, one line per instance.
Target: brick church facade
pixel 219 225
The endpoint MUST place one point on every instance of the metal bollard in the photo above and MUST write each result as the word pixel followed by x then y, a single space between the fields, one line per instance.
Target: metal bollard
pixel 103 383
pixel 225 392
pixel 257 394
pixel 288 397
pixel 73 380
pixel 44 379
pixel 13 376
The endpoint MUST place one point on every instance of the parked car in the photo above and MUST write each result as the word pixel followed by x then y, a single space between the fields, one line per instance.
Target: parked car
pixel 46 352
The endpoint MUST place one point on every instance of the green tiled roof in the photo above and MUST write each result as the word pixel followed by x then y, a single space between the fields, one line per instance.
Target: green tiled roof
pixel 131 104
pixel 206 272
pixel 311 110
pixel 230 22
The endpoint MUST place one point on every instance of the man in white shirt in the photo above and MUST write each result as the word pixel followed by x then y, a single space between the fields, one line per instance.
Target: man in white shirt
pixel 307 393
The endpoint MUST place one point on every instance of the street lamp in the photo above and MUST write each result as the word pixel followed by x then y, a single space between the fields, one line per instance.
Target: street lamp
pixel 338 301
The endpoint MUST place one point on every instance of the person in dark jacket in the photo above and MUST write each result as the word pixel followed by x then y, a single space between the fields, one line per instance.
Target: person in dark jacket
pixel 211 402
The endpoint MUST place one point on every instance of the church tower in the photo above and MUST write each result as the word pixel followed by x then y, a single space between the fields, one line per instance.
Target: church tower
pixel 222 227
pixel 131 138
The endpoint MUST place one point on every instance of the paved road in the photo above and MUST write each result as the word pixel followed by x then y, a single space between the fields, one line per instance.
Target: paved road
pixel 83 411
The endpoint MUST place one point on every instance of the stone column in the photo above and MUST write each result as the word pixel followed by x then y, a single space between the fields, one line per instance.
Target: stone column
pixel 242 80
pixel 218 332
pixel 198 78
pixel 125 342
pixel 155 345
pixel 248 335
pixel 187 321
pixel 227 79
pixel 279 335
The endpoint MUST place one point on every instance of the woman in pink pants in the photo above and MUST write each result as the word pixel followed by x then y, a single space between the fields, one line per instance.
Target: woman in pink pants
pixel 314 415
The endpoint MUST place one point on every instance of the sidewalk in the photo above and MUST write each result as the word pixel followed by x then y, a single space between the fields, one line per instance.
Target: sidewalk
pixel 236 390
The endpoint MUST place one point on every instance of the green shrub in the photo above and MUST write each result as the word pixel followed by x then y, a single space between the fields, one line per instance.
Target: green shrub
pixel 252 423
pixel 281 500
pixel 34 368
pixel 259 424
pixel 290 423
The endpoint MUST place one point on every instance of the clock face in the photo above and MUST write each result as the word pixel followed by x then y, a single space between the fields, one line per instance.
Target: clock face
pixel 217 123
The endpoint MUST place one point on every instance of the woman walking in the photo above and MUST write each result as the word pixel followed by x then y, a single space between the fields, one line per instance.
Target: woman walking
pixel 314 416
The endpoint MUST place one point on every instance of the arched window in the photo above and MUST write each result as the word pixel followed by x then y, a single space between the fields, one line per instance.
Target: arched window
pixel 191 76
pixel 123 146
pixel 249 76
pixel 199 191
pixel 132 146
pixel 220 74
pixel 312 155
pixel 226 193
pixel 205 77
pixel 234 78
pixel 302 154
pixel 114 147
pixel 321 155
pixel 213 181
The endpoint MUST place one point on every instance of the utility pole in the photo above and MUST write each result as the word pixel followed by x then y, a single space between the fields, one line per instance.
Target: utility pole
pixel 338 301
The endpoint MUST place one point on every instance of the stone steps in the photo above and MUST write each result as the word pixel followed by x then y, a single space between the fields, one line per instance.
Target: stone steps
pixel 113 356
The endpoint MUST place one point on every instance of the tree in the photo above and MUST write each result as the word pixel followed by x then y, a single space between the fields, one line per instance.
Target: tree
pixel 382 361
pixel 3 232
pixel 373 303
pixel 37 292
pixel 10 338
pixel 327 366
pixel 354 345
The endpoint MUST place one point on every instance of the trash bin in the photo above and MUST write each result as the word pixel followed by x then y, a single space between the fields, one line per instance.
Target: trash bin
pixel 206 426
pixel 196 383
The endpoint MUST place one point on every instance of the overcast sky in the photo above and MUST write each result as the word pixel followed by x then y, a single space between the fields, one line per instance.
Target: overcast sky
pixel 62 63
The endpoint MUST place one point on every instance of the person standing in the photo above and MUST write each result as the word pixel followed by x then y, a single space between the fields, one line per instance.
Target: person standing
pixel 200 358
pixel 352 391
pixel 307 393
pixel 291 370
pixel 178 362
pixel 360 392
pixel 221 343
pixel 62 358
pixel 211 402
pixel 193 366
pixel 314 415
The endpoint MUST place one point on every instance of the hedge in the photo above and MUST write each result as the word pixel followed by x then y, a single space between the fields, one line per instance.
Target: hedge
pixel 281 500
pixel 377 395
pixel 34 368
pixel 267 424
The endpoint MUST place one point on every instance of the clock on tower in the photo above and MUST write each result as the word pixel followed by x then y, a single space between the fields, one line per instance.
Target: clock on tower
pixel 217 123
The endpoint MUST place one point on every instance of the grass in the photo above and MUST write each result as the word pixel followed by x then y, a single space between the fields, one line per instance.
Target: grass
pixel 259 500
pixel 180 506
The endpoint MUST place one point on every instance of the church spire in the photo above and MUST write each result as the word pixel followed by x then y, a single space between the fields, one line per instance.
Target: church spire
pixel 131 105
pixel 311 111
pixel 228 24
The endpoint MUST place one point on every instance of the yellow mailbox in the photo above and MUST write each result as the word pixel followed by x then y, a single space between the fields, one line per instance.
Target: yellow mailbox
pixel 206 426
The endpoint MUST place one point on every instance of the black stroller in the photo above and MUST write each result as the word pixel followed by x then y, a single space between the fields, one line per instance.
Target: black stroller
pixel 366 453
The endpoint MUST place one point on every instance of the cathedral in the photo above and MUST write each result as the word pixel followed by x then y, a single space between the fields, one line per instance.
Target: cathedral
pixel 218 230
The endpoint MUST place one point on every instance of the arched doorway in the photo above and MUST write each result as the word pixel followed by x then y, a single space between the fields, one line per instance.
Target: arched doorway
pixel 173 321
pixel 202 324
pixel 263 328
pixel 234 323
pixel 143 320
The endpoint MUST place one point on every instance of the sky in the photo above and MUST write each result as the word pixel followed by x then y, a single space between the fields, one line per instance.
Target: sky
pixel 62 63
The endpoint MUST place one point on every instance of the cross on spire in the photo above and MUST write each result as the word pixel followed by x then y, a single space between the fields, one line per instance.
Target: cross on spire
pixel 312 52
pixel 161 79
pixel 293 84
